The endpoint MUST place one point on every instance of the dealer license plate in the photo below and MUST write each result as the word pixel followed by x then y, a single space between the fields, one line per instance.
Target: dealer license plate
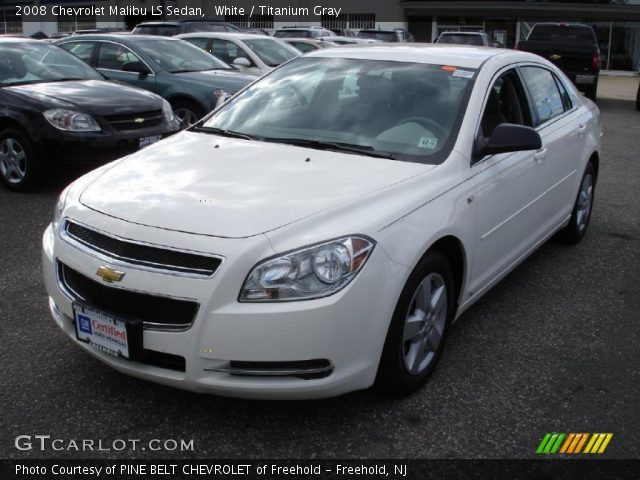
pixel 146 141
pixel 102 330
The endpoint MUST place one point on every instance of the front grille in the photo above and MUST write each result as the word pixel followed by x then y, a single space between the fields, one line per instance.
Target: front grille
pixel 157 313
pixel 144 255
pixel 135 121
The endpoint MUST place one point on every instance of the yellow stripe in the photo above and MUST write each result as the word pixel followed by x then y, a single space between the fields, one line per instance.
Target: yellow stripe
pixel 584 439
pixel 605 443
pixel 596 445
pixel 594 437
pixel 567 443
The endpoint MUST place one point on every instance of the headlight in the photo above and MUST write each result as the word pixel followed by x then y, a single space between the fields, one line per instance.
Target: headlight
pixel 167 110
pixel 71 121
pixel 310 272
pixel 59 208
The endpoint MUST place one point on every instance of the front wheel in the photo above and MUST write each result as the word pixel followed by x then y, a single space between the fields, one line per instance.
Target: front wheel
pixel 20 169
pixel 187 112
pixel 418 328
pixel 581 214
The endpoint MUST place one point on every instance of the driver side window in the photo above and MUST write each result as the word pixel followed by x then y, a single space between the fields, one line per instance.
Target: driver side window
pixel 113 57
pixel 506 103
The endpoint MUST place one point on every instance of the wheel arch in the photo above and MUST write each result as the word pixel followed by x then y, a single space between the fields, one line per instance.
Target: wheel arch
pixel 595 160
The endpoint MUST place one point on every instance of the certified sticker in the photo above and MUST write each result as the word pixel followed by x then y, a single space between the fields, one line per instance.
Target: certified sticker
pixel 463 74
pixel 428 142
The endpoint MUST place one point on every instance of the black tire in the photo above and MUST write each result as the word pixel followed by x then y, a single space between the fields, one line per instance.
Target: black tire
pixel 23 171
pixel 638 98
pixel 577 227
pixel 393 377
pixel 591 92
pixel 190 108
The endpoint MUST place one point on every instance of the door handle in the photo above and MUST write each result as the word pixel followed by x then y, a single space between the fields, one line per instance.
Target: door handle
pixel 540 155
pixel 581 129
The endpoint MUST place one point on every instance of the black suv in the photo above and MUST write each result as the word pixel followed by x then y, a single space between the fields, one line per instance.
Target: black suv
pixel 171 28
pixel 394 35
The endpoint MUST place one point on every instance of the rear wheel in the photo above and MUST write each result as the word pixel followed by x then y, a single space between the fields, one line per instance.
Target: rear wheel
pixel 581 214
pixel 19 167
pixel 591 91
pixel 418 328
pixel 187 112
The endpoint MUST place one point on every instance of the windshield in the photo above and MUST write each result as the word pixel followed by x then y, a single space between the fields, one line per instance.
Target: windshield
pixel 271 51
pixel 461 39
pixel 382 36
pixel 177 56
pixel 23 63
pixel 407 111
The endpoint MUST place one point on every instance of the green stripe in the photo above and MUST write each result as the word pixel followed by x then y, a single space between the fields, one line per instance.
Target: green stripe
pixel 543 443
pixel 558 443
pixel 550 443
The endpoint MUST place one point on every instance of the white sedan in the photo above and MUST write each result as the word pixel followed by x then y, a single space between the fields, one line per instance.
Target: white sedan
pixel 320 232
pixel 250 53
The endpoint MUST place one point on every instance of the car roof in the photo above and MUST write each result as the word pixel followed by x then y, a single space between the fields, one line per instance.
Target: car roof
pixel 10 39
pixel 180 22
pixel 118 37
pixel 230 35
pixel 453 32
pixel 464 56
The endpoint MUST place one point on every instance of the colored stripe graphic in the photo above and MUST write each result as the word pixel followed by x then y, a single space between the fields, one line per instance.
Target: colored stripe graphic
pixel 573 443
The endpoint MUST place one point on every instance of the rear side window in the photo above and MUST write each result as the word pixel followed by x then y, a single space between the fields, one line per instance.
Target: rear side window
pixel 545 96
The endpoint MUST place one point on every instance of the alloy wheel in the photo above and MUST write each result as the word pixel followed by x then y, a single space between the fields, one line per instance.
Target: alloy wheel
pixel 13 160
pixel 424 324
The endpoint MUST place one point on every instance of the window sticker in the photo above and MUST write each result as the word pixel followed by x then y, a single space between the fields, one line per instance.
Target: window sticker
pixel 463 74
pixel 428 142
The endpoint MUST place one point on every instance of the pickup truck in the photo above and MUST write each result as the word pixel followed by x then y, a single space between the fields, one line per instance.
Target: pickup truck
pixel 480 39
pixel 573 47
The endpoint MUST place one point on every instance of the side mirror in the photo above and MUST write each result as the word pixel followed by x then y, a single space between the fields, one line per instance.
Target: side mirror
pixel 507 137
pixel 242 62
pixel 136 67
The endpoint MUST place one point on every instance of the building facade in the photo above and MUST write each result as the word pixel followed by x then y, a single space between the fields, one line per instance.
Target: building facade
pixel 616 22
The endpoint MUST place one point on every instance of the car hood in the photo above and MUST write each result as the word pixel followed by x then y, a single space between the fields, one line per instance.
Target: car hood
pixel 230 79
pixel 211 185
pixel 93 96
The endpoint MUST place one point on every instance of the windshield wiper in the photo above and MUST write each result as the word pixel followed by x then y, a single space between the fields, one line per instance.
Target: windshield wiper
pixel 224 133
pixel 337 146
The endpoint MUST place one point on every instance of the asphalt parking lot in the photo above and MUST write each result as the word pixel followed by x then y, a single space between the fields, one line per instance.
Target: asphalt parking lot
pixel 554 347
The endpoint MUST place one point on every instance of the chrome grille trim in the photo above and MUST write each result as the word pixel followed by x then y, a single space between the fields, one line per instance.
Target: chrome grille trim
pixel 109 241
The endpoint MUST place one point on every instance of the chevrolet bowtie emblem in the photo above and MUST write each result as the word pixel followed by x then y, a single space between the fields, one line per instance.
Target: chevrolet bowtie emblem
pixel 555 56
pixel 109 274
pixel 138 120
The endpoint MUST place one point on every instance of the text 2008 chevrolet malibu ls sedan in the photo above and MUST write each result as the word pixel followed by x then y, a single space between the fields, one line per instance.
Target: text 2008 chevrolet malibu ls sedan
pixel 319 232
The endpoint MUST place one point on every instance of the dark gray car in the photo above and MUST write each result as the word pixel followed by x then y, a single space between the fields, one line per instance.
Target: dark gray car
pixel 190 79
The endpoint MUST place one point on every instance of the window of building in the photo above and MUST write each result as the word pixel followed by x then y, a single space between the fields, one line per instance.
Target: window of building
pixel 10 22
pixel 349 20
pixel 256 21
pixel 69 24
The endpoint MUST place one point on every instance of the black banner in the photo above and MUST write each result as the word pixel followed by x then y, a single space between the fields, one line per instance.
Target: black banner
pixel 543 469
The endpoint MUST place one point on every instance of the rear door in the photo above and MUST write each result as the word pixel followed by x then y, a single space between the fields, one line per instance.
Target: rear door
pixel 557 120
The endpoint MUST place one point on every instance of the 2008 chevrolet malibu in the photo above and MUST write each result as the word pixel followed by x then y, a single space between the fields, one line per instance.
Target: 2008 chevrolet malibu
pixel 320 231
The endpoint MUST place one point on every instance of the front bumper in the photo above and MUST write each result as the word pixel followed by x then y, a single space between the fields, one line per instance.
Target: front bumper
pixel 96 146
pixel 345 331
